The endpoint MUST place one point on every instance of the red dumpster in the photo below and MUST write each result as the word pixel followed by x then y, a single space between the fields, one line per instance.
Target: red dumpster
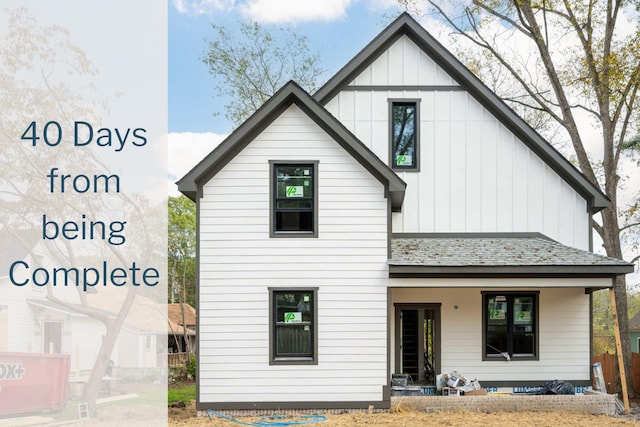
pixel 32 382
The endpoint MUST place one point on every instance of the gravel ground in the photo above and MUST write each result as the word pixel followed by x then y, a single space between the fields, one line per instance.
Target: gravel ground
pixel 400 417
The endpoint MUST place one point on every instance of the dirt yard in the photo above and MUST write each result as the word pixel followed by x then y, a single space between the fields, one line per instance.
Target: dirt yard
pixel 405 418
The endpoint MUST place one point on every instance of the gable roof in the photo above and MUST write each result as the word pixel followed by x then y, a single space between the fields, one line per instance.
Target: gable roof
pixel 497 254
pixel 406 25
pixel 174 311
pixel 290 94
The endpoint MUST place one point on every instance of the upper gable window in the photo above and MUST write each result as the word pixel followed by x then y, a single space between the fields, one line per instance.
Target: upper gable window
pixel 404 134
pixel 294 199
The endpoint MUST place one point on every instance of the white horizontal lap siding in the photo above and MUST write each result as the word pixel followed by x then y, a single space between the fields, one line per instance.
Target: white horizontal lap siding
pixel 475 175
pixel 21 328
pixel 563 333
pixel 239 262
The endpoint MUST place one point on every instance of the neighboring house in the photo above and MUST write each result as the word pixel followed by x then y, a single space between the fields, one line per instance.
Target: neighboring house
pixel 30 322
pixel 634 333
pixel 179 329
pixel 401 220
pixel 141 346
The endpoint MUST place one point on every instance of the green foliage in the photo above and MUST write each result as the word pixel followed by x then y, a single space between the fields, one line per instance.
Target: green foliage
pixel 181 394
pixel 251 65
pixel 191 367
pixel 632 148
pixel 633 306
pixel 181 241
pixel 603 334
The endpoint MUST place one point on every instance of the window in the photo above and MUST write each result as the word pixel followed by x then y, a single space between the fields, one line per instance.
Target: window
pixel 52 340
pixel 404 134
pixel 294 200
pixel 293 326
pixel 510 326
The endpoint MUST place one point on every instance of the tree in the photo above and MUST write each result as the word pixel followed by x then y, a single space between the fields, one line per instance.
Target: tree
pixel 568 61
pixel 182 249
pixel 603 335
pixel 44 76
pixel 252 64
pixel 181 241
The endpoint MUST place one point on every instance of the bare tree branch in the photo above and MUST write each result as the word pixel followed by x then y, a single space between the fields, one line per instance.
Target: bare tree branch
pixel 628 226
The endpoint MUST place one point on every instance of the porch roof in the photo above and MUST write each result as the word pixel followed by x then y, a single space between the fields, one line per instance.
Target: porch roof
pixel 498 254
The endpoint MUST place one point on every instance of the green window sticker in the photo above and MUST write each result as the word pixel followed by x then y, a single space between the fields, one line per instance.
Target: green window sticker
pixel 404 160
pixel 293 317
pixel 295 191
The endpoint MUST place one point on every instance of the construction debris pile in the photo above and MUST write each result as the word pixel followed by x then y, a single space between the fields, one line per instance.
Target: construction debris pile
pixel 454 384
pixel 447 384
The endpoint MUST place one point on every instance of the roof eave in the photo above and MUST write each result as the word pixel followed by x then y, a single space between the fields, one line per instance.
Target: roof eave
pixel 290 94
pixel 210 164
pixel 394 184
pixel 510 271
pixel 397 198
pixel 406 25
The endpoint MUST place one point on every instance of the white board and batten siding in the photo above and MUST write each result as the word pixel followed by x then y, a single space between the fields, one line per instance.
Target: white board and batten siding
pixel 475 175
pixel 563 327
pixel 346 262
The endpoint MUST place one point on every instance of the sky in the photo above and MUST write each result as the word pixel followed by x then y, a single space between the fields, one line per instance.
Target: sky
pixel 335 29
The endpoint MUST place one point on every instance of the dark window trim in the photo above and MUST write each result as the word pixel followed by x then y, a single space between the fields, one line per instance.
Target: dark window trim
pixel 392 165
pixel 313 360
pixel 272 198
pixel 511 294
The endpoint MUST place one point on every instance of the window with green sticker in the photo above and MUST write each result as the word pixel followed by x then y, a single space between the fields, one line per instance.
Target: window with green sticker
pixel 404 134
pixel 293 325
pixel 510 326
pixel 294 211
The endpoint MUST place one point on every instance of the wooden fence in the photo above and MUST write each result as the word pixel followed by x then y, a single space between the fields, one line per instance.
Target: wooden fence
pixel 609 364
pixel 175 359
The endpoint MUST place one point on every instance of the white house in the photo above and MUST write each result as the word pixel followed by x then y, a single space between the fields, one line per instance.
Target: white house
pixel 32 323
pixel 401 220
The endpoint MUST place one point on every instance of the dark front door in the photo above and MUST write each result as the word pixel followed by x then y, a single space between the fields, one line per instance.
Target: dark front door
pixel 418 341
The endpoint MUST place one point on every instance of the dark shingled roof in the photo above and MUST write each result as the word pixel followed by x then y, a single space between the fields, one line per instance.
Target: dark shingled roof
pixel 500 253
